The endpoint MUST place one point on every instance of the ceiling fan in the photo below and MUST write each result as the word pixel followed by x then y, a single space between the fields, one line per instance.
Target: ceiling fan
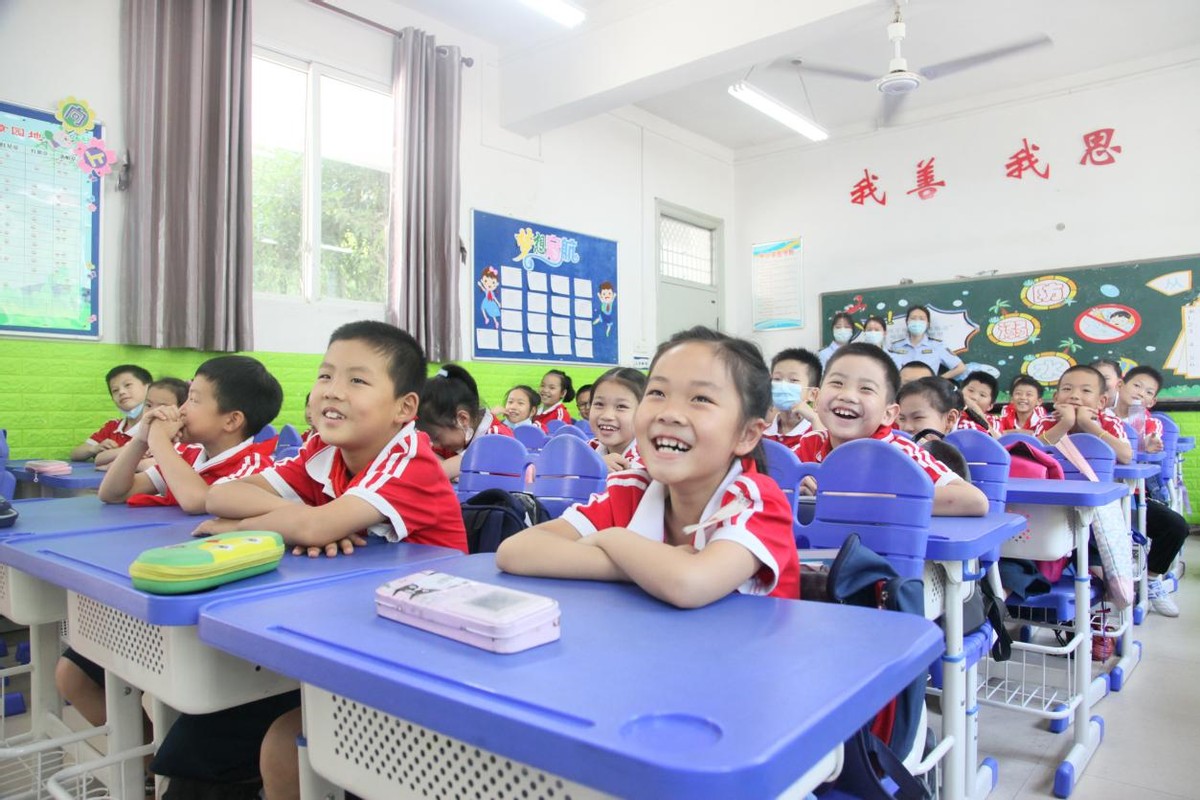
pixel 899 81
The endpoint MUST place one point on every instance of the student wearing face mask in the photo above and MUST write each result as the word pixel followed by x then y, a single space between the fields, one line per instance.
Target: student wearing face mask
pixel 842 330
pixel 453 417
pixel 919 346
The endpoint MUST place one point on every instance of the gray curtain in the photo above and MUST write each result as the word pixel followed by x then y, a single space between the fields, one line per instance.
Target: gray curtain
pixel 187 260
pixel 424 264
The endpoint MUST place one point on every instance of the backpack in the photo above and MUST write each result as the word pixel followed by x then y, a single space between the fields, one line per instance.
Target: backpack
pixel 1032 462
pixel 861 577
pixel 493 515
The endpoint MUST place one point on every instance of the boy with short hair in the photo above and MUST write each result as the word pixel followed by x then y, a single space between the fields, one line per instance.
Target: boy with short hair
pixel 1024 409
pixel 366 470
pixel 915 370
pixel 583 401
pixel 858 401
pixel 127 386
pixel 1140 384
pixel 979 390
pixel 229 400
pixel 1079 408
pixel 795 381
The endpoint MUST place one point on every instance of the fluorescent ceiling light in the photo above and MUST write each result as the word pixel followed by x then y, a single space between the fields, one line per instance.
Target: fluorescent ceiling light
pixel 560 11
pixel 760 100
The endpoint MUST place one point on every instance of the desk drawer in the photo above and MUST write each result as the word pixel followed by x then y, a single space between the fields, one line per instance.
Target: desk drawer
pixel 1050 532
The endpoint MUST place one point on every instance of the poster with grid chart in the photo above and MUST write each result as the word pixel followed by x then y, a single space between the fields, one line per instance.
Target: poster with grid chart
pixel 542 293
pixel 49 225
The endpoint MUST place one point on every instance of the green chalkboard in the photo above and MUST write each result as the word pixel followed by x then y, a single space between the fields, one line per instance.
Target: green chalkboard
pixel 1039 323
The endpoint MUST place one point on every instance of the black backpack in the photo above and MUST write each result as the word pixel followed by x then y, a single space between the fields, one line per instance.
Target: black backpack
pixel 493 515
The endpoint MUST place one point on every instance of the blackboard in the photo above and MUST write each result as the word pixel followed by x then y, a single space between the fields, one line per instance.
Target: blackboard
pixel 1040 323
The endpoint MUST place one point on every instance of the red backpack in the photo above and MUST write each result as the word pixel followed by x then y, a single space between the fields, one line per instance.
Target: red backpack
pixel 1029 461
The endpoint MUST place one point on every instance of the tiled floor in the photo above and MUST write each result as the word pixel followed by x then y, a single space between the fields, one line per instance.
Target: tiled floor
pixel 1152 726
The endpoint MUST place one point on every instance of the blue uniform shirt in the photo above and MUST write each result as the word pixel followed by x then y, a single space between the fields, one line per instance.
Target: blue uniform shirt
pixel 930 351
pixel 827 352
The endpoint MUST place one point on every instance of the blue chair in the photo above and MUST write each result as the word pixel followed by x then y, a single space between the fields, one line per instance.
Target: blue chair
pixel 1170 439
pixel 584 426
pixel 570 430
pixel 873 489
pixel 553 425
pixel 567 472
pixel 1098 454
pixel 784 469
pixel 286 451
pixel 268 432
pixel 988 461
pixel 289 437
pixel 8 484
pixel 3 447
pixel 533 437
pixel 492 462
pixel 1020 436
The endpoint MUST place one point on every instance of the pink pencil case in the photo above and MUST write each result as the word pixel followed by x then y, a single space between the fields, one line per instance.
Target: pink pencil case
pixel 47 467
pixel 479 614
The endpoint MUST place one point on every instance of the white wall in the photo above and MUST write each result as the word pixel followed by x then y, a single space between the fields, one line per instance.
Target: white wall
pixel 53 51
pixel 1147 205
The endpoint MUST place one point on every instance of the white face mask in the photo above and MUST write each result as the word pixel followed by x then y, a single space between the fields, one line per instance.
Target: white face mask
pixel 842 335
pixel 918 327
pixel 136 411
pixel 873 337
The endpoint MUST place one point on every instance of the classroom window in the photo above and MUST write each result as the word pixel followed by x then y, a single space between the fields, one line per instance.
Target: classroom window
pixel 685 251
pixel 322 176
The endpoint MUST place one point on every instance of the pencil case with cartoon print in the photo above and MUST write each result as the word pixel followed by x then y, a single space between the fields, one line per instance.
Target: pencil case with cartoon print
pixel 206 563
pixel 483 615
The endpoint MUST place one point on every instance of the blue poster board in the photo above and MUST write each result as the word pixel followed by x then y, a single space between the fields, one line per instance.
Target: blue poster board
pixel 49 223
pixel 542 293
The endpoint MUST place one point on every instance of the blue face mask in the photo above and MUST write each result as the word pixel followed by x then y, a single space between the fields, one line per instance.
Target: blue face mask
pixel 786 395
pixel 873 337
pixel 842 335
pixel 917 327
pixel 136 411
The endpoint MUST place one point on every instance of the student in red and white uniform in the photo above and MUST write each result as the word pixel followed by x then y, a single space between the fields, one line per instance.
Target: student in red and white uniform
pixel 229 398
pixel 127 386
pixel 795 381
pixel 453 417
pixel 1078 401
pixel 697 521
pixel 858 401
pixel 979 391
pixel 1024 410
pixel 1140 386
pixel 615 398
pixel 555 392
pixel 367 471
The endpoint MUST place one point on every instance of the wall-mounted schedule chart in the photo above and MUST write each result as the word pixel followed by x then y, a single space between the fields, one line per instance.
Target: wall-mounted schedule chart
pixel 49 226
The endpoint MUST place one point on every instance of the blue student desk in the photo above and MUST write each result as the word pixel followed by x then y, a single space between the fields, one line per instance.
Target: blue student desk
pixel 149 641
pixel 742 698
pixel 1135 476
pixel 1087 731
pixel 87 513
pixel 954 543
pixel 84 476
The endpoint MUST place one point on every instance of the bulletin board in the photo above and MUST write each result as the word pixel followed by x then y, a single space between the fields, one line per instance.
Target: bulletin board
pixel 542 293
pixel 778 299
pixel 1041 323
pixel 50 169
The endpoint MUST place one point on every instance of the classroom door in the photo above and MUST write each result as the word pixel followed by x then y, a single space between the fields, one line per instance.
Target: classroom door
pixel 689 249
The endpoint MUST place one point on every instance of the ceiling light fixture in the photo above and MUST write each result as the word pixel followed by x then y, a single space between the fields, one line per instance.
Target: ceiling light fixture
pixel 560 11
pixel 761 101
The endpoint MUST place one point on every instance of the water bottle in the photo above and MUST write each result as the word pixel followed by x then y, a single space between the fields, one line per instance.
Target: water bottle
pixel 1137 417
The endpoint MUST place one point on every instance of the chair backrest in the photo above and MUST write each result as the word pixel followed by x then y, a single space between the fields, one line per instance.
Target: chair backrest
pixel 873 489
pixel 1021 436
pixel 268 432
pixel 568 471
pixel 1098 454
pixel 533 437
pixel 286 451
pixel 584 426
pixel 3 447
pixel 553 425
pixel 1170 439
pixel 8 484
pixel 572 431
pixel 989 463
pixel 784 469
pixel 290 437
pixel 492 462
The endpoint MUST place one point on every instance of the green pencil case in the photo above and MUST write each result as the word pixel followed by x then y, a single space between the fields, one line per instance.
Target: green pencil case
pixel 204 563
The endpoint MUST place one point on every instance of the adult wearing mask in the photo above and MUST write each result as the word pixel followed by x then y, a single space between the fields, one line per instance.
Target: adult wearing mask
pixel 919 346
pixel 875 332
pixel 843 332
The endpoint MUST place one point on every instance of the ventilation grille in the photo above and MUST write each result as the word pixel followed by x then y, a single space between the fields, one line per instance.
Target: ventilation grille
pixel 126 637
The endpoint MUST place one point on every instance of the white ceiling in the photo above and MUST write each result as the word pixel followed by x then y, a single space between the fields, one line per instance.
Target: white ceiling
pixel 1087 35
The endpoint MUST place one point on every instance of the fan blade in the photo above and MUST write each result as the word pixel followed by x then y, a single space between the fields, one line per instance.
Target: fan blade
pixel 892 104
pixel 836 72
pixel 959 64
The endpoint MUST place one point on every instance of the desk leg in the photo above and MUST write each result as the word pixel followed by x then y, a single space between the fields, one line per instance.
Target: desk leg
pixel 954 679
pixel 123 704
pixel 44 701
pixel 1139 611
pixel 981 778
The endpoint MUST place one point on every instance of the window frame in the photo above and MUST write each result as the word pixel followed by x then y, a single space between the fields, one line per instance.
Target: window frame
pixel 310 186
pixel 715 225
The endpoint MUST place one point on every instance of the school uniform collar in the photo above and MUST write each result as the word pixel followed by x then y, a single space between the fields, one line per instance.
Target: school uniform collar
pixel 325 465
pixel 649 520
pixel 485 425
pixel 544 410
pixel 132 430
pixel 203 462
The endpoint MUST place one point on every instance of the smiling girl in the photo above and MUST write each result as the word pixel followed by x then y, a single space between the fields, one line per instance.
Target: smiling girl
pixel 615 398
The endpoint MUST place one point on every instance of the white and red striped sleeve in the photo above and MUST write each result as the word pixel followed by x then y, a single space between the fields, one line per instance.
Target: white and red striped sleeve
pixel 614 507
pixel 938 472
pixel 764 527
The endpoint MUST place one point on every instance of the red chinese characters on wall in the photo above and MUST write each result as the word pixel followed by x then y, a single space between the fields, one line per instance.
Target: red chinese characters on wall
pixel 926 186
pixel 1025 160
pixel 1098 148
pixel 867 188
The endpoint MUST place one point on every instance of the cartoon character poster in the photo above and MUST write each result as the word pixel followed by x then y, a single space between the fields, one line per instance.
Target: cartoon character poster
pixel 543 293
